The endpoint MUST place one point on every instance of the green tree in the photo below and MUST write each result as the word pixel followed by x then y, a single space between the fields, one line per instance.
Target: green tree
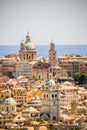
pixel 34 77
pixel 81 78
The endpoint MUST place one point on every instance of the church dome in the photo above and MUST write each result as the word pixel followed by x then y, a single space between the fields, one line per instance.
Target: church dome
pixel 8 100
pixel 28 44
pixel 50 82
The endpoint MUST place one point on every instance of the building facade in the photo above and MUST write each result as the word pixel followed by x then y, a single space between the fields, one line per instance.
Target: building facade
pixel 40 69
pixel 73 63
pixel 68 94
pixel 20 94
pixel 27 50
pixel 50 100
pixel 25 69
pixel 8 67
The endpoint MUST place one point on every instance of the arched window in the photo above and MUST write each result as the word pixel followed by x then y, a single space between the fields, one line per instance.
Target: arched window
pixel 6 108
pixel 27 56
pixel 85 97
pixel 24 56
pixel 32 56
pixel 55 95
pixel 52 95
pixel 39 77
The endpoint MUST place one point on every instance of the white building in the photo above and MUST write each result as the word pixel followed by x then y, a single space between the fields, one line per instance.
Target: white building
pixel 50 100
pixel 31 113
pixel 68 94
pixel 57 99
pixel 25 69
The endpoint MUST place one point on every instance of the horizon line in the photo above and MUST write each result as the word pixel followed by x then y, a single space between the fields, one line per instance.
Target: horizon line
pixel 42 44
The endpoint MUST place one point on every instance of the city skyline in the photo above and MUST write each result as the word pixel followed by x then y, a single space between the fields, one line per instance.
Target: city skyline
pixel 64 21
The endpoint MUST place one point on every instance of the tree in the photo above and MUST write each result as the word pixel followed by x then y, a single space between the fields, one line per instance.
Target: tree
pixel 81 78
pixel 34 77
pixel 76 78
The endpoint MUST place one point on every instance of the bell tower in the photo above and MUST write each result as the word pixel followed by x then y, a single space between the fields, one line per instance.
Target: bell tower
pixel 50 99
pixel 52 54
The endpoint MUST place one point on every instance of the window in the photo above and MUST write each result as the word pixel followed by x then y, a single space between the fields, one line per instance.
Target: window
pixel 54 118
pixel 24 56
pixel 29 57
pixel 52 95
pixel 55 95
pixel 7 109
pixel 39 65
pixel 32 56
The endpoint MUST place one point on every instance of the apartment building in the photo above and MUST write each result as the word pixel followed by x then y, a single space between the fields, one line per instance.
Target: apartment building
pixel 73 63
pixel 25 69
pixel 68 94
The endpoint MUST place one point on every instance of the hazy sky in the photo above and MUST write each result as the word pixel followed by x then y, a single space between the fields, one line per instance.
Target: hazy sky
pixel 64 21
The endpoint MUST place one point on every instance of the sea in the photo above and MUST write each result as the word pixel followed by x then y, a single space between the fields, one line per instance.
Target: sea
pixel 43 50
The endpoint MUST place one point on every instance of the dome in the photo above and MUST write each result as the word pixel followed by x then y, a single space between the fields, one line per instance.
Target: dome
pixel 50 83
pixel 29 46
pixel 8 100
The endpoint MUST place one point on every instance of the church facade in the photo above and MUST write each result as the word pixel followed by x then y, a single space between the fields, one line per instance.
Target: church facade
pixel 28 64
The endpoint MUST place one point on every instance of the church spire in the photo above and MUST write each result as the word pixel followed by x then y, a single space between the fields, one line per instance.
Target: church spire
pixel 28 37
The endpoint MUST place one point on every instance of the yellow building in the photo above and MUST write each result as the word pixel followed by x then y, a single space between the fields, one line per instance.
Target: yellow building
pixel 2 90
pixel 20 94
pixel 72 63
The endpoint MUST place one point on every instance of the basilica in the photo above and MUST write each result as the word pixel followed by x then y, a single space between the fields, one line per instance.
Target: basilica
pixel 27 50
pixel 27 63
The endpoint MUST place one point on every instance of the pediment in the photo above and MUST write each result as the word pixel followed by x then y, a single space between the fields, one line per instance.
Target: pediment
pixel 40 65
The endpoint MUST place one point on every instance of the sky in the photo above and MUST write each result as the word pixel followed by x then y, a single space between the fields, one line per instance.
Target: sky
pixel 64 21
